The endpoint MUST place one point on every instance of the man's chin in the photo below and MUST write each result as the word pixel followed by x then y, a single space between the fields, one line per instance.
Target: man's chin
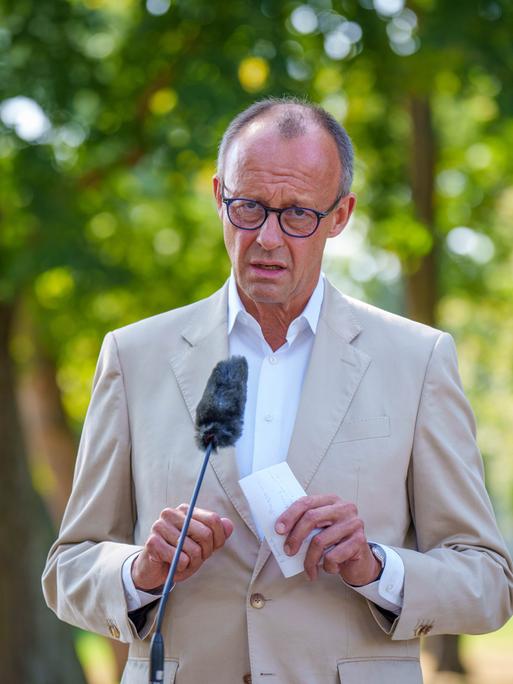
pixel 260 294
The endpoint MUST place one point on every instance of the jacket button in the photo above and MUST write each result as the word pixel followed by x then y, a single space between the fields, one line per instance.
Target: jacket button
pixel 114 631
pixel 423 630
pixel 247 679
pixel 257 601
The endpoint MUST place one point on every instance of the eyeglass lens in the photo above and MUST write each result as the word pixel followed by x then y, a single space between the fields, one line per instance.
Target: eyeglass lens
pixel 251 215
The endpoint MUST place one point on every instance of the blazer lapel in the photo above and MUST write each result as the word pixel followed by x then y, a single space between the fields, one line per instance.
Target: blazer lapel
pixel 205 343
pixel 334 373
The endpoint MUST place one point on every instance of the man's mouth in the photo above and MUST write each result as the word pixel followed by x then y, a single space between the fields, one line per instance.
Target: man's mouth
pixel 268 267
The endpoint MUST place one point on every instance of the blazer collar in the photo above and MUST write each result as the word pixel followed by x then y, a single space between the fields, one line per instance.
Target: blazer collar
pixel 205 343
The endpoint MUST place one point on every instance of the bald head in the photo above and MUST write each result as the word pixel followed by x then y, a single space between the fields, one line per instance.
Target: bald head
pixel 291 118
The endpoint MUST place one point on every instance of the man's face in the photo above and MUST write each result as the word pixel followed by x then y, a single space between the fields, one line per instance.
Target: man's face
pixel 270 267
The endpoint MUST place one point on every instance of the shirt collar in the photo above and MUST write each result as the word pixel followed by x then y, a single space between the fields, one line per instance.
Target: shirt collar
pixel 310 314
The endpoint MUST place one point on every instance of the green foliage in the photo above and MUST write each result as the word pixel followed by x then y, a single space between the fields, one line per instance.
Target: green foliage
pixel 106 215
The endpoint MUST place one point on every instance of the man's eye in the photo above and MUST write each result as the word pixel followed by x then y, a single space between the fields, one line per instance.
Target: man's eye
pixel 297 212
pixel 249 205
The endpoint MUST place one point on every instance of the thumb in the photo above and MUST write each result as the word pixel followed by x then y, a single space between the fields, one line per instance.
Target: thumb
pixel 228 526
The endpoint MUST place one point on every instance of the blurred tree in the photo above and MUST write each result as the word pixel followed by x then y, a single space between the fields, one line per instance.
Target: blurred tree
pixel 34 646
pixel 38 207
pixel 110 113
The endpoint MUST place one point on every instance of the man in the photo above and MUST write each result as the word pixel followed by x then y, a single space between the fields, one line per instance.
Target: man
pixel 366 407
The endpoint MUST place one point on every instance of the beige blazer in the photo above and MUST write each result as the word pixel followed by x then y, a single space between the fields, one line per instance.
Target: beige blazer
pixel 382 422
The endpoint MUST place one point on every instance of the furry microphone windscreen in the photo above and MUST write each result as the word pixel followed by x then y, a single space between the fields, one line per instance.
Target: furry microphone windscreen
pixel 220 412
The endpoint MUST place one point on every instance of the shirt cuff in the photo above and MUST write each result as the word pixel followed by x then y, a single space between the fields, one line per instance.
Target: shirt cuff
pixel 135 598
pixel 388 591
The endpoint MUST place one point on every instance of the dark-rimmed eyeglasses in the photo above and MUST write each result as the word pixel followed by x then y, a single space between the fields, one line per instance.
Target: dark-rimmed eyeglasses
pixel 300 222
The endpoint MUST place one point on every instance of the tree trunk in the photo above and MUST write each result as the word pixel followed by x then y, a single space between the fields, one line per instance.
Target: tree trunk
pixel 445 649
pixel 422 293
pixel 50 441
pixel 421 282
pixel 35 647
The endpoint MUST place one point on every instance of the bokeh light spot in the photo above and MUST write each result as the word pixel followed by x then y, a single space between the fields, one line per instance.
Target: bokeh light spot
pixel 100 45
pixel 336 105
pixel 304 19
pixel 328 80
pixel 479 156
pixel 166 242
pixel 298 70
pixel 451 182
pixel 351 30
pixel 163 101
pixel 337 45
pixel 25 116
pixel 53 286
pixel 464 241
pixel 253 73
pixel 158 7
pixel 103 225
pixel 388 8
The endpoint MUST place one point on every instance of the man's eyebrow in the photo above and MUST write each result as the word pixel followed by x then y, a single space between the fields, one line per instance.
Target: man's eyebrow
pixel 258 198
pixel 254 195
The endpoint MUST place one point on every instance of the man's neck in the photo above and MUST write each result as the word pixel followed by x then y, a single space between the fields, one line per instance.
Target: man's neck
pixel 274 319
pixel 275 325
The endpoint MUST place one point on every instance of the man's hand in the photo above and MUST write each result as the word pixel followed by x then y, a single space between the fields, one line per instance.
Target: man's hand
pixel 349 554
pixel 207 533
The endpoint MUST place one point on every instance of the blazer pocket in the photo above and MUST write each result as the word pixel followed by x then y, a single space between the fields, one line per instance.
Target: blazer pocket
pixel 365 428
pixel 380 671
pixel 137 671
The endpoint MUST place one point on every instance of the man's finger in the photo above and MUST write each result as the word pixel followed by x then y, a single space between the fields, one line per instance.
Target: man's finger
pixel 208 518
pixel 197 544
pixel 286 521
pixel 214 523
pixel 316 518
pixel 160 550
pixel 209 530
pixel 347 551
pixel 228 526
pixel 203 537
pixel 322 543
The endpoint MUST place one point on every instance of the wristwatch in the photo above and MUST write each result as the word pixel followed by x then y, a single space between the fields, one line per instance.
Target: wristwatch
pixel 379 555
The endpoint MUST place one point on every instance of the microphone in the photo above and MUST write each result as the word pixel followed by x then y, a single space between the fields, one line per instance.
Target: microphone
pixel 219 415
pixel 219 421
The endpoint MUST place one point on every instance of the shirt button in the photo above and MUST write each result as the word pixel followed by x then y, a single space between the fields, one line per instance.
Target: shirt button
pixel 268 417
pixel 257 601
pixel 273 359
pixel 390 587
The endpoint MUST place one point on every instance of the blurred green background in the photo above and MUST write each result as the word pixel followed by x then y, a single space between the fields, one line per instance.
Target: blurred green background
pixel 110 116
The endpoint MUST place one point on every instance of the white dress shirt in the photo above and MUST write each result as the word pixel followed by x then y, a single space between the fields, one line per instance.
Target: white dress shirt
pixel 275 381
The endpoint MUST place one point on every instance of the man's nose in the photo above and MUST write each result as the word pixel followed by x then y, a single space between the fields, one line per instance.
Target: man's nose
pixel 270 234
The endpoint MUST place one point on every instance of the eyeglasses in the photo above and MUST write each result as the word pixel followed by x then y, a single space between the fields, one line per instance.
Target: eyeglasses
pixel 300 222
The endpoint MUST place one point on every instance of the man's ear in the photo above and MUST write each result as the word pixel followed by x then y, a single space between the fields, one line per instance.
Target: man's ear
pixel 342 214
pixel 217 187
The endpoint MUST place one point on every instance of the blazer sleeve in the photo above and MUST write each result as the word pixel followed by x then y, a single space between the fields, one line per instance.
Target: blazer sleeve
pixel 459 578
pixel 82 580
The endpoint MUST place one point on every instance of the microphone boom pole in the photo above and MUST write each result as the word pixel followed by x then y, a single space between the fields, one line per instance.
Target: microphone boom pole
pixel 157 642
pixel 219 418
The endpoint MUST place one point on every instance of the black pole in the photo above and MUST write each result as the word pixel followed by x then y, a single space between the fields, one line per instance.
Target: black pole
pixel 157 642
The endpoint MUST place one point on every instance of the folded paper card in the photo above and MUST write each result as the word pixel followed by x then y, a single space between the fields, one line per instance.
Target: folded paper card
pixel 270 492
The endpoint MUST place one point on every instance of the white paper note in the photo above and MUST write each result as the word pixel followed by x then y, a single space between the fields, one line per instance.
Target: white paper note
pixel 270 492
